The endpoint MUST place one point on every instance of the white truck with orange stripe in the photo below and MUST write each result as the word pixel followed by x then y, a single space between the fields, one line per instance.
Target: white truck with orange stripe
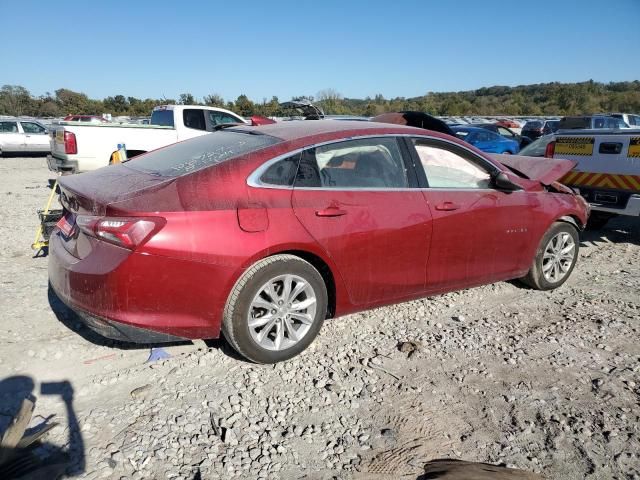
pixel 608 170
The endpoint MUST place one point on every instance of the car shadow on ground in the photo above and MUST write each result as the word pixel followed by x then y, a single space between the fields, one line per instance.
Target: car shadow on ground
pixel 23 453
pixel 72 321
pixel 621 229
pixel 24 154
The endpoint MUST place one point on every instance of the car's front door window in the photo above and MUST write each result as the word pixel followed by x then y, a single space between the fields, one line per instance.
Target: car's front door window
pixel 221 118
pixel 30 127
pixel 369 163
pixel 446 169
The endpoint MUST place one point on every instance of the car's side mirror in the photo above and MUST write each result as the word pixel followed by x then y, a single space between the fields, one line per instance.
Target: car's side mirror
pixel 502 182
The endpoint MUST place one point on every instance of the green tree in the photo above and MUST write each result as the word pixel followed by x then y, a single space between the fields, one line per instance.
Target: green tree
pixel 15 100
pixel 214 100
pixel 117 105
pixel 187 99
pixel 244 106
pixel 71 102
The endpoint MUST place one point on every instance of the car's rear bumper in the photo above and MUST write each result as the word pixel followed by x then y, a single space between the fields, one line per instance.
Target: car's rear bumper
pixel 632 209
pixel 57 164
pixel 119 331
pixel 140 298
pixel 619 202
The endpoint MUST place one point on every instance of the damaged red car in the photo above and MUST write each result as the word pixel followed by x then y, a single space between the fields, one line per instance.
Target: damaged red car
pixel 261 233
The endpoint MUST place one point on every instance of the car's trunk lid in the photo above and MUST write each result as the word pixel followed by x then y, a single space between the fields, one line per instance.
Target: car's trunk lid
pixel 92 193
pixel 544 170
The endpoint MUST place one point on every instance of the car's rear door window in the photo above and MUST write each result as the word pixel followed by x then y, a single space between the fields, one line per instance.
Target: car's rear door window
pixel 8 127
pixel 446 166
pixel 194 118
pixel 368 163
pixel 282 173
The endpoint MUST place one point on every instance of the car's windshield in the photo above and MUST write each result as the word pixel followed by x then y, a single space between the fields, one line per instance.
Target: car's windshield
pixel 198 153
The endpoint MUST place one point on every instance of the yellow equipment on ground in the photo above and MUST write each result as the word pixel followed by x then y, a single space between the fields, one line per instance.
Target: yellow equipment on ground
pixel 48 220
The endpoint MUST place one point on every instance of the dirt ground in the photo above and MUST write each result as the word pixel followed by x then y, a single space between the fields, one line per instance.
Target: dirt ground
pixel 544 381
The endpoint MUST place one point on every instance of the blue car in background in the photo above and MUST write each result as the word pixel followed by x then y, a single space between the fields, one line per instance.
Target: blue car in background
pixel 486 140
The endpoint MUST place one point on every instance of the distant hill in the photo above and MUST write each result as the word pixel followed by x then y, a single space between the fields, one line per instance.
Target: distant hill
pixel 538 99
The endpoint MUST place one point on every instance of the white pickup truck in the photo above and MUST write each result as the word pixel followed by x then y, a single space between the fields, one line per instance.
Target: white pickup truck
pixel 607 173
pixel 79 147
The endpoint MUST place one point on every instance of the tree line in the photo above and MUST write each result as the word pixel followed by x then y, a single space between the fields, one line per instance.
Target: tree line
pixel 539 99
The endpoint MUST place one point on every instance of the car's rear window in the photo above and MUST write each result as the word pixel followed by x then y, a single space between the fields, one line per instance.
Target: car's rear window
pixel 163 118
pixel 200 152
pixel 574 123
pixel 531 125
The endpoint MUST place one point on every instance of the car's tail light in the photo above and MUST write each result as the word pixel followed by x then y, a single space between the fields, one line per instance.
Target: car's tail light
pixel 125 232
pixel 550 150
pixel 70 144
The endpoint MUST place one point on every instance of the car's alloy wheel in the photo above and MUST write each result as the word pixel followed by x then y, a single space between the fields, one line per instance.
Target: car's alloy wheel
pixel 558 257
pixel 282 312
pixel 555 257
pixel 275 309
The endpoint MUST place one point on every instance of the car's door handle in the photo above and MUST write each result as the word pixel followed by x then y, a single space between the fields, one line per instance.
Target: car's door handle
pixel 331 212
pixel 447 206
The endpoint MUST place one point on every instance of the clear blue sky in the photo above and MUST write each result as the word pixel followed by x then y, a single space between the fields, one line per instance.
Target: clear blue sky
pixel 285 48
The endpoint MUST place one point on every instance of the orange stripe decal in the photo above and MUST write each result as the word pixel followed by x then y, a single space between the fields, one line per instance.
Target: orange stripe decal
pixel 595 178
pixel 606 182
pixel 622 182
pixel 602 180
pixel 634 181
pixel 581 178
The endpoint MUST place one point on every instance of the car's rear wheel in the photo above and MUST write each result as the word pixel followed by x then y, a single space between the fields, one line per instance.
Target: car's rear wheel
pixel 555 258
pixel 275 309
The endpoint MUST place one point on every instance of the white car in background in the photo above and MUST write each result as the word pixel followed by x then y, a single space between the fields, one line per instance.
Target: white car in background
pixel 23 136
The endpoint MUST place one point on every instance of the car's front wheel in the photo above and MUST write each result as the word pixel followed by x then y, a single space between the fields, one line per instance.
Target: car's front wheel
pixel 275 309
pixel 555 258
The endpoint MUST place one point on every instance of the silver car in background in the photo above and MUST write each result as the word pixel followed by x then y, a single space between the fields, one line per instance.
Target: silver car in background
pixel 22 136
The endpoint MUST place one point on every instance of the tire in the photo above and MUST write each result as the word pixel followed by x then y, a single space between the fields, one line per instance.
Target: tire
pixel 262 343
pixel 598 220
pixel 539 276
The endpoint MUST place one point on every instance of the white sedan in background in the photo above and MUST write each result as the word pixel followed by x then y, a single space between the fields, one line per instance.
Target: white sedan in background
pixel 21 136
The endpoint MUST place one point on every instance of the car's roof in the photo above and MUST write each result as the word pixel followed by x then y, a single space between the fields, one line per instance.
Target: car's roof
pixel 298 129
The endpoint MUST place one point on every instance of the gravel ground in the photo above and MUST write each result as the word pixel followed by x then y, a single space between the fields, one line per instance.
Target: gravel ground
pixel 545 381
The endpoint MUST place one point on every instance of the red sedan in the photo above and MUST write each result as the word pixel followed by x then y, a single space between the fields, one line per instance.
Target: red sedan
pixel 263 232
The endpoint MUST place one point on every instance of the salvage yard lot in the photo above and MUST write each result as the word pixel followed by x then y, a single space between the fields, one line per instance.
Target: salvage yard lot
pixel 545 381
